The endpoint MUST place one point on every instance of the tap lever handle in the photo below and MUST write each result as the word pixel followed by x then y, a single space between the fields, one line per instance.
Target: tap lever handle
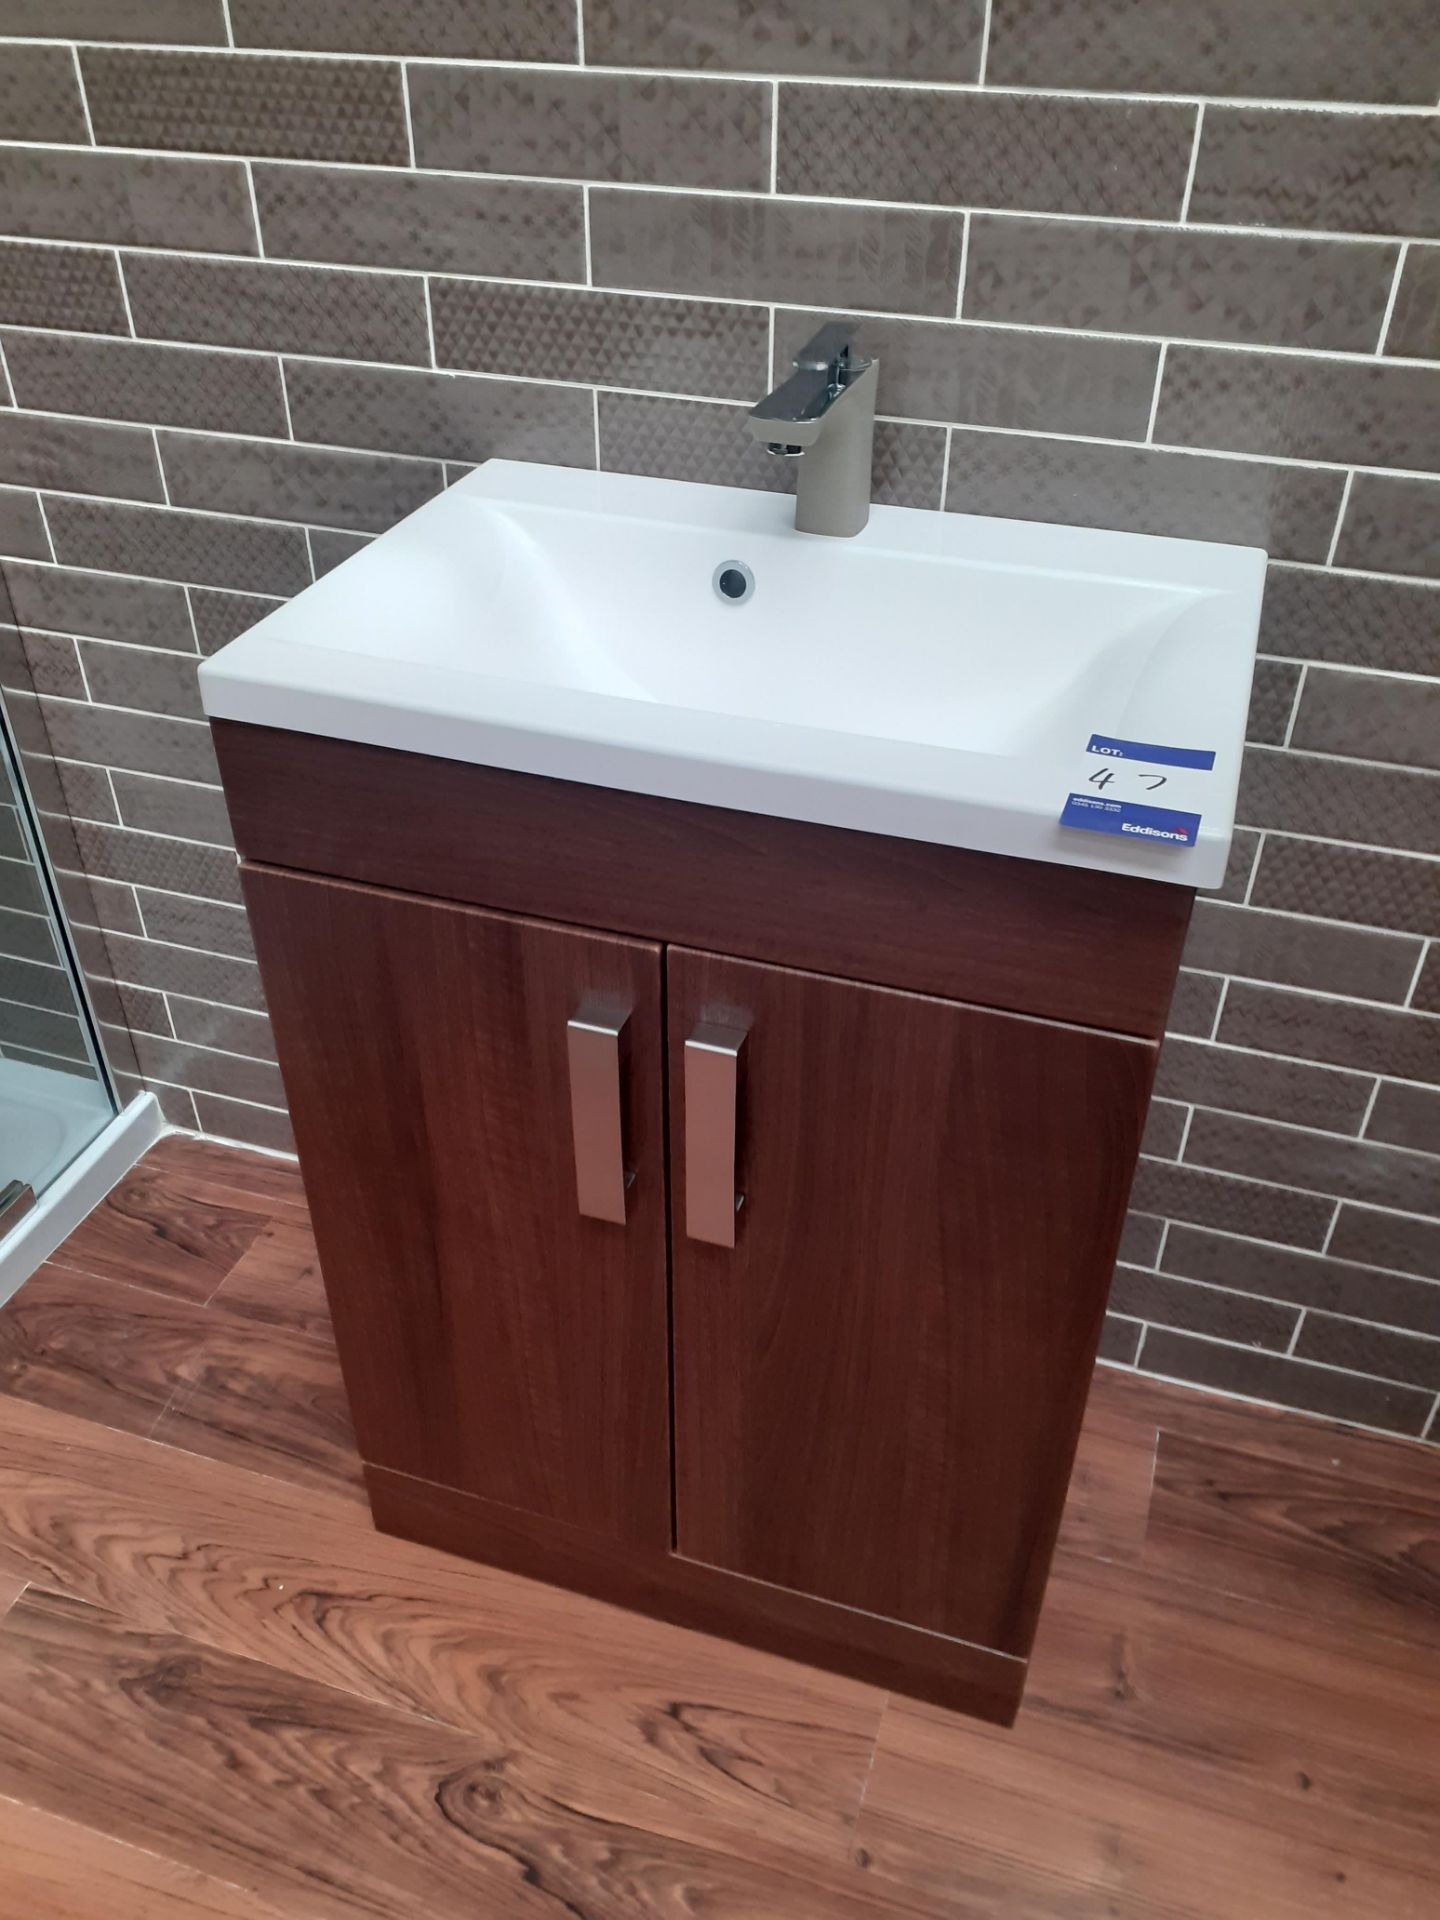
pixel 833 348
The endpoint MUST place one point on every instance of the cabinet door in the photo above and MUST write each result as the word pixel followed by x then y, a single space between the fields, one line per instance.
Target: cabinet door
pixel 493 1336
pixel 878 1388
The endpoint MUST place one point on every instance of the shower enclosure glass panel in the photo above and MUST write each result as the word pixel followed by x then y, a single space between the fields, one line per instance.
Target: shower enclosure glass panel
pixel 55 1095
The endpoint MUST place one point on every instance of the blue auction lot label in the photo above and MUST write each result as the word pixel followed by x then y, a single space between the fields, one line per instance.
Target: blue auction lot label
pixel 1128 817
pixel 1140 790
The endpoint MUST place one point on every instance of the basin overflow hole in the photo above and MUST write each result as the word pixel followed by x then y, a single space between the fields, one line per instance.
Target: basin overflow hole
pixel 734 582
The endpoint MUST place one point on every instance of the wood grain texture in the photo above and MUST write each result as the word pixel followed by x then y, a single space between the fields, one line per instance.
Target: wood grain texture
pixel 885 1653
pixel 270 1398
pixel 100 1348
pixel 690 1728
pixel 243 1178
pixel 492 1337
pixel 970 926
pixel 159 1741
pixel 277 1282
pixel 878 1390
pixel 55 1870
pixel 165 1227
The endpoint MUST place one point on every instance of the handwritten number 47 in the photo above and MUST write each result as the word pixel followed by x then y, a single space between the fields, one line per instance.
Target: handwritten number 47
pixel 1102 777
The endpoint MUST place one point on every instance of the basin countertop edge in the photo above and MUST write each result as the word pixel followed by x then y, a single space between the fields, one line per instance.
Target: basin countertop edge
pixel 270 676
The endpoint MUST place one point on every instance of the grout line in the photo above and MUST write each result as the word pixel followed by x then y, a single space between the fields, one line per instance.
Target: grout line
pixel 1389 313
pixel 160 467
pixel 140 914
pixel 774 135
pixel 595 423
pixel 585 226
pixel 7 385
pixel 945 471
pixel 1334 1222
pixel 124 293
pixel 229 29
pixel 1139 1349
pixel 285 385
pixel 429 329
pixel 984 44
pixel 310 556
pixel 1184 213
pixel 1320 1366
pixel 84 96
pixel 1185 1134
pixel 1340 517
pixel 579 32
pixel 1293 716
pixel 1160 1250
pixel 1365 1117
pixel 1155 396
pixel 1295 1334
pixel 1214 1033
pixel 770 350
pixel 254 211
pixel 964 265
pixel 1409 1000
pixel 1431 1428
pixel 1254 873
pixel 194 633
pixel 405 103
pixel 45 526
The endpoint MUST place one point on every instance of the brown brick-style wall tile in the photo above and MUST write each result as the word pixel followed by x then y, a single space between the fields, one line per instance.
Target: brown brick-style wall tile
pixel 38 450
pixel 22 531
pixel 1289 510
pixel 1406 1117
pixel 1339 172
pixel 442 414
pixel 1306 1279
pixel 1218 1199
pixel 165 545
pixel 171 22
pixel 1240 1082
pixel 1415 323
pixel 1392 525
pixel 221 617
pixel 40 96
pixel 126 199
pixel 319 487
pixel 329 548
pixel 73 287
pixel 1250 289
pixel 128 380
pixel 228 1028
pixel 1371 717
pixel 1381 50
pixel 1359 884
pixel 143 613
pixel 353 316
pixel 1362 1170
pixel 1388 1240
pixel 186 922
pixel 702 347
pixel 1308 793
pixel 1294 951
pixel 1195 1003
pixel 141 859
pixel 649 132
pixel 768 249
pixel 462 29
pixel 141 678
pixel 520 229
pixel 1345 1033
pixel 1293 1383
pixel 246 103
pixel 1166 1302
pixel 1119 1340
pixel 251 1126
pixel 169 806
pixel 1392 626
pixel 971 149
pixel 1272 701
pixel 908 40
pixel 1372 1350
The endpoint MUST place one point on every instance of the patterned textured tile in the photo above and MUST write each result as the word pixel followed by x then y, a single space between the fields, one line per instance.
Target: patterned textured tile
pixel 1342 1032
pixel 1415 323
pixel 1381 50
pixel 1167 281
pixel 1387 1239
pixel 1321 1163
pixel 970 149
pixel 1382 415
pixel 1370 1350
pixel 166 386
pixel 992 377
pixel 142 859
pixel 142 678
pixel 251 1126
pixel 1392 526
pixel 513 228
pixel 1247 944
pixel 354 316
pixel 330 550
pixel 1266 1376
pixel 163 545
pixel 660 132
pixel 462 29
pixel 696 440
pixel 22 531
pixel 1243 845
pixel 773 250
pixel 197 1068
pixel 441 415
pixel 140 612
pixel 174 749
pixel 1426 994
pixel 1306 1279
pixel 198 23
pixel 40 96
pixel 1272 700
pixel 907 40
pixel 1211 1199
pixel 76 457
pixel 1288 510
pixel 245 103
pixel 126 200
pixel 1372 718
pixel 1164 1302
pixel 365 491
pixel 1349 883
pixel 1307 793
pixel 1391 625
pixel 203 976
pixel 209 925
pixel 620 340
pixel 223 617
pixel 60 287
pixel 1407 1117
pixel 50 665
pixel 176 807
pixel 228 1028
pixel 1238 1082
pixel 1342 172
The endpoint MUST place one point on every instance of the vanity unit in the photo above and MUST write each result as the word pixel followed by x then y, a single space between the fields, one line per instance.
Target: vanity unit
pixel 718 1103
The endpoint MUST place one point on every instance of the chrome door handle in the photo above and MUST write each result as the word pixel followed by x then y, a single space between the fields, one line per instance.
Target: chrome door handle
pixel 595 1040
pixel 712 1086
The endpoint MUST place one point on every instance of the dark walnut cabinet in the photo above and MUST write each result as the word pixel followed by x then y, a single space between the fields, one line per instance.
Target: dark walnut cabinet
pixel 717 1213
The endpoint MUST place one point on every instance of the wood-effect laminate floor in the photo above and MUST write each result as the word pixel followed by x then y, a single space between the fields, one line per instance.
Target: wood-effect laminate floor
pixel 222 1694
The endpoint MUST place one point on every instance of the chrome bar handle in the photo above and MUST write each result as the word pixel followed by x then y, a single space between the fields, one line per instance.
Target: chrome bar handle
pixel 712 1089
pixel 595 1039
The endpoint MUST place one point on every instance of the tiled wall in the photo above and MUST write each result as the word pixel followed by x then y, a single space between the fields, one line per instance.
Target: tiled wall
pixel 280 267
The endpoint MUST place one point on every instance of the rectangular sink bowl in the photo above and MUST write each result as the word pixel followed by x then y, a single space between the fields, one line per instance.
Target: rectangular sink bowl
pixel 941 677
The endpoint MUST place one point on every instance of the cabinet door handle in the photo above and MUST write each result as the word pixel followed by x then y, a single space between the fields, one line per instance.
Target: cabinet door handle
pixel 595 1039
pixel 712 1087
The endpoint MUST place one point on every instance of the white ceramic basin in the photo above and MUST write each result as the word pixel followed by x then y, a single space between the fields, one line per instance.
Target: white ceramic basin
pixel 941 677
